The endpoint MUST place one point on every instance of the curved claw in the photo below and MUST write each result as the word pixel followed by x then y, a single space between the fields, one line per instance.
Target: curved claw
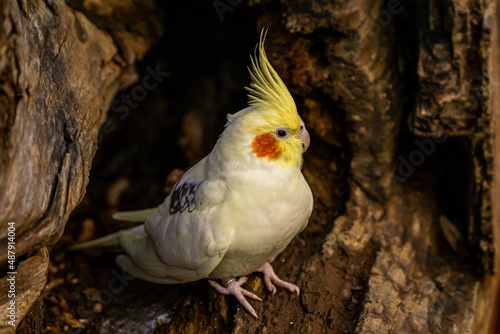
pixel 270 277
pixel 233 287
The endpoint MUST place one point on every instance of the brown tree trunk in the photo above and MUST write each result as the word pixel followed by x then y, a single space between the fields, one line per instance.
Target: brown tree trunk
pixel 60 66
pixel 401 99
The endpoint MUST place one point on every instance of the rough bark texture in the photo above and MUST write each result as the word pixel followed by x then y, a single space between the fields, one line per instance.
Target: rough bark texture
pixel 59 71
pixel 30 280
pixel 400 98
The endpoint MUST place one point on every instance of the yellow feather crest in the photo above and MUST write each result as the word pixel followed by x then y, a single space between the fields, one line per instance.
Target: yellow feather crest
pixel 267 92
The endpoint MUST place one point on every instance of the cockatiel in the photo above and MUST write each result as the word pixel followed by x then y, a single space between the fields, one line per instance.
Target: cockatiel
pixel 234 211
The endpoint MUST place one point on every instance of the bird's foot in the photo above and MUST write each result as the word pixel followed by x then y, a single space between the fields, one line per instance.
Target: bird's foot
pixel 233 287
pixel 270 277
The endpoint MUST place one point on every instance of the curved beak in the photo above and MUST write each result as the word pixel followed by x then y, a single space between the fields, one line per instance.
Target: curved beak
pixel 303 135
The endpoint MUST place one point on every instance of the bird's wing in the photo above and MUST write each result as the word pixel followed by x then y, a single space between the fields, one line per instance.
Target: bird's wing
pixel 188 232
pixel 141 260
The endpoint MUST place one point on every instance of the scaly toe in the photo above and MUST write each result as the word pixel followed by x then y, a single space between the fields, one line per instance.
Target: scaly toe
pixel 269 285
pixel 291 287
pixel 270 277
pixel 234 288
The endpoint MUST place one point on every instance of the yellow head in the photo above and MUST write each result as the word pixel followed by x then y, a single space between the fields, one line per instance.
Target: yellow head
pixel 279 135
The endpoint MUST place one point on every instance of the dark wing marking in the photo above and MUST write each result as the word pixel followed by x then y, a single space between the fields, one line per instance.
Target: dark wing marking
pixel 182 197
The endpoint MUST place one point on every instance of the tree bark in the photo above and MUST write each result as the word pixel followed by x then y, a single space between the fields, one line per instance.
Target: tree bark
pixel 60 67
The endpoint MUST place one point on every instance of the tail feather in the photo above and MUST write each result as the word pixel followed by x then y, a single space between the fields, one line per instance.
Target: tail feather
pixel 138 216
pixel 111 242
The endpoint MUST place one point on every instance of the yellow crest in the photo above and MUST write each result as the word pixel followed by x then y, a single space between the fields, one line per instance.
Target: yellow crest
pixel 267 92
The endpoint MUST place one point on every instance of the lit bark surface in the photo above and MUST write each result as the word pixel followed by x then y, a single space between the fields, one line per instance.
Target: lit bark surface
pixel 59 72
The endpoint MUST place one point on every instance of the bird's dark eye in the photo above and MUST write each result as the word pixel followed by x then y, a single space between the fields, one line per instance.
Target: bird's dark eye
pixel 281 133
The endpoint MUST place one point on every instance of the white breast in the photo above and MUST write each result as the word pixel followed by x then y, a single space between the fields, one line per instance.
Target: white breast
pixel 268 208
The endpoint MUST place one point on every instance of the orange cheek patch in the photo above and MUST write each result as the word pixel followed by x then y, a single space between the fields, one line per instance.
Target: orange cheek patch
pixel 266 146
